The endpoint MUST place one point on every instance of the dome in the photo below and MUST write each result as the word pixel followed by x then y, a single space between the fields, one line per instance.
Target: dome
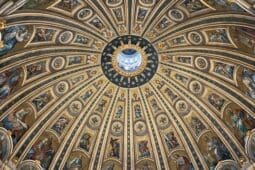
pixel 127 84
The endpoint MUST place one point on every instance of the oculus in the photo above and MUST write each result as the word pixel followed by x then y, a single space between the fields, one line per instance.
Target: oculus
pixel 129 61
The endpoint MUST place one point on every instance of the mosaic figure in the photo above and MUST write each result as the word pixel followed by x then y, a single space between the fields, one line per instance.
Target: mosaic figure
pixel 87 95
pixel 240 122
pixel 60 125
pixel 115 148
pixel 68 5
pixel 193 5
pixel 85 142
pixel 36 69
pixel 219 35
pixel 74 163
pixel 216 151
pixel 216 101
pixel 155 106
pixel 143 149
pixel 224 70
pixel 41 101
pixel 15 122
pixel 9 80
pixel 170 94
pixel 101 105
pixel 249 80
pixel 12 36
pixel 171 141
pixel 245 37
pixel 4 153
pixel 43 35
pixel 181 78
pixel 138 112
pixel 182 162
pixel 119 112
pixel 43 151
pixel 197 126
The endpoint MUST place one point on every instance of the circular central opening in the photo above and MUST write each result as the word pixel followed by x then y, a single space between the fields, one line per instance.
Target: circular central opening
pixel 129 60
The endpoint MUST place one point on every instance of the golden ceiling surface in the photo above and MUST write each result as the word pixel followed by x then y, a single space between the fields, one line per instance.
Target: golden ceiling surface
pixel 127 84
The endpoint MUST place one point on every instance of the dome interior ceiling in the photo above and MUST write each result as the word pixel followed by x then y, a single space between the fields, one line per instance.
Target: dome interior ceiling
pixel 127 84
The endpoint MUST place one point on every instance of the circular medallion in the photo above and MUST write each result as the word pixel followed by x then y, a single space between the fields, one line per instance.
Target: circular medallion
pixel 201 63
pixel 84 14
pixel 196 87
pixel 195 38
pixel 95 121
pixel 162 121
pixel 58 63
pixel 182 107
pixel 65 37
pixel 176 15
pixel 61 88
pixel 129 61
pixel 140 128
pixel 75 108
pixel 117 128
